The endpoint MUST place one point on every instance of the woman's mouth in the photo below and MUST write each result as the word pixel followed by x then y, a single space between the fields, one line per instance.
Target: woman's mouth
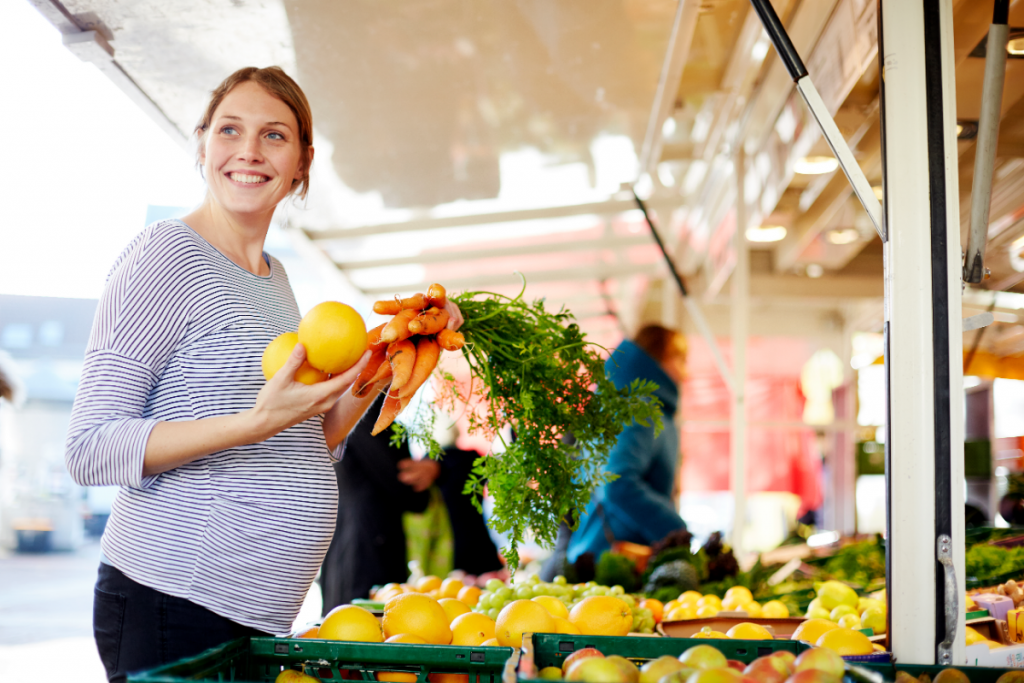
pixel 248 178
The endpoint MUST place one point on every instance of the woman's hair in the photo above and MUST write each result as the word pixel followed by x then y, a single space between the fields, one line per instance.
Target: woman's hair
pixel 659 342
pixel 275 81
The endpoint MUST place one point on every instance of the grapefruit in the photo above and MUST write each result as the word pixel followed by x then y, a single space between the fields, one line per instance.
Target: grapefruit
pixel 418 615
pixel 350 622
pixel 472 628
pixel 519 617
pixel 602 615
pixel 277 352
pixel 453 608
pixel 334 336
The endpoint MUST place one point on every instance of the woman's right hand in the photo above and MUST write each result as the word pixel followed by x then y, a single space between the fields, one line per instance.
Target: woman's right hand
pixel 283 402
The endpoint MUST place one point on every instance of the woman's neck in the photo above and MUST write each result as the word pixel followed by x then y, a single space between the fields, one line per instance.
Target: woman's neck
pixel 240 238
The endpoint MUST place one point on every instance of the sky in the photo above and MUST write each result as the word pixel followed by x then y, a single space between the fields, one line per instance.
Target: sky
pixel 79 165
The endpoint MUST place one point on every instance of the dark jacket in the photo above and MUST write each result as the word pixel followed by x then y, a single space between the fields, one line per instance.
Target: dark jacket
pixel 637 506
pixel 475 552
pixel 369 542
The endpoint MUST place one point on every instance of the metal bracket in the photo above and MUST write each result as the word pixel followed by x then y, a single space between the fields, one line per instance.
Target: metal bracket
pixel 951 603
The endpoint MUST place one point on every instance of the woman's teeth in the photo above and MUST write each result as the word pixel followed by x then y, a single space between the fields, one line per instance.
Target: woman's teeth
pixel 245 178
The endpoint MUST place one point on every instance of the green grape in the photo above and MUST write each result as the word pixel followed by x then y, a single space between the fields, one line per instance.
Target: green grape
pixel 524 592
pixel 493 613
pixel 560 580
pixel 485 600
pixel 504 594
pixel 617 590
pixel 629 600
pixel 494 585
pixel 533 578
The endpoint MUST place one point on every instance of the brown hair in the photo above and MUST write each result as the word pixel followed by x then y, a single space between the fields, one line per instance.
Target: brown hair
pixel 659 342
pixel 275 81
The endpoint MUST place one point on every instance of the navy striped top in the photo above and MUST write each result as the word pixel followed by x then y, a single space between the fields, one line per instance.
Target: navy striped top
pixel 178 335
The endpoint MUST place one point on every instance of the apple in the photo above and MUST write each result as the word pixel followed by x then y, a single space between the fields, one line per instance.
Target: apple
pixel 820 659
pixel 628 668
pixel 678 676
pixel 736 664
pixel 1011 677
pixel 813 676
pixel 703 657
pixel 787 657
pixel 723 674
pixel 654 670
pixel 596 670
pixel 763 670
pixel 952 676
pixel 551 673
pixel 578 655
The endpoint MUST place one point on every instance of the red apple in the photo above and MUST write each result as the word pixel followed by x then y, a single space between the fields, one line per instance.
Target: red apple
pixel 787 657
pixel 821 659
pixel 703 657
pixel 628 668
pixel 763 670
pixel 813 676
pixel 654 670
pixel 578 655
pixel 596 670
pixel 723 674
pixel 736 664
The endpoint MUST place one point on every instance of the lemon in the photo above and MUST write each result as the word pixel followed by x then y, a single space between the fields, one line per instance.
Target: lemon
pixel 849 621
pixel 334 336
pixel 841 611
pixel 681 614
pixel 349 622
pixel 450 588
pixel 673 604
pixel 524 616
pixel 819 613
pixel 469 595
pixel 277 352
pixel 706 612
pixel 834 593
pixel 740 594
pixel 453 608
pixel 710 601
pixel 865 603
pixel 753 609
pixel 428 583
pixel 601 615
pixel 774 609
pixel 845 642
pixel 874 619
pixel 812 629
pixel 690 596
pixel 706 632
pixel 749 631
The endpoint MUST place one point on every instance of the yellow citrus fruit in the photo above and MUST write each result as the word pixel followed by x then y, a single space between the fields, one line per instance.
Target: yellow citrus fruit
pixel 841 611
pixel 453 607
pixel 671 605
pixel 311 632
pixel 406 638
pixel 774 609
pixel 833 593
pixel 749 631
pixel 753 609
pixel 472 628
pixel 349 622
pixel 565 626
pixel 710 601
pixel 428 583
pixel 812 629
pixel 681 614
pixel 602 615
pixel 334 336
pixel 874 619
pixel 706 632
pixel 277 352
pixel 864 603
pixel 491 642
pixel 732 603
pixel 396 676
pixel 469 595
pixel 419 615
pixel 845 642
pixel 450 588
pixel 706 612
pixel 386 588
pixel 849 621
pixel 519 617
pixel 689 596
pixel 553 605
pixel 740 594
pixel 973 636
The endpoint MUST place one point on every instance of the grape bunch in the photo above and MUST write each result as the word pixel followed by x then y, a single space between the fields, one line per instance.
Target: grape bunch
pixel 497 594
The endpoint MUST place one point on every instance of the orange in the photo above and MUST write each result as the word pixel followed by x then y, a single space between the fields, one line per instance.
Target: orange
pixel 428 583
pixel 469 595
pixel 812 629
pixel 450 588
pixel 519 617
pixel 602 615
pixel 311 632
pixel 845 642
pixel 386 588
pixel 490 642
pixel 419 615
pixel 349 622
pixel 657 609
pixel 448 678
pixel 334 336
pixel 565 626
pixel 453 608
pixel 749 631
pixel 674 604
pixel 472 629
pixel 553 605
pixel 396 676
pixel 406 638
pixel 277 352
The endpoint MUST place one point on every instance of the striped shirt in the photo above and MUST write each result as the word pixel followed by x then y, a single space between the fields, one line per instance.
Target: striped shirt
pixel 178 335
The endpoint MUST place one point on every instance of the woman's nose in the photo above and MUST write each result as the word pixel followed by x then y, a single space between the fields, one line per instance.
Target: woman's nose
pixel 251 150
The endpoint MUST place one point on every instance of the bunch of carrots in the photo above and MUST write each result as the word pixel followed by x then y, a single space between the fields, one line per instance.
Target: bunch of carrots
pixel 406 349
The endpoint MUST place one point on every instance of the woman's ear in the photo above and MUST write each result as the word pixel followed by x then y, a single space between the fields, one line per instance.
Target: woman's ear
pixel 303 171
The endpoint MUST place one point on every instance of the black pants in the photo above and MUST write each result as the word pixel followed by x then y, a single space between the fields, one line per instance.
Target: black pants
pixel 138 628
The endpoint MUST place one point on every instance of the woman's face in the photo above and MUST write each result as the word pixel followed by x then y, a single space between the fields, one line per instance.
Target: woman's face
pixel 251 152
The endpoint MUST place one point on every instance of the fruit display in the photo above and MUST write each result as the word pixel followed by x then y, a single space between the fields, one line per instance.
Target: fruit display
pixel 839 603
pixel 334 336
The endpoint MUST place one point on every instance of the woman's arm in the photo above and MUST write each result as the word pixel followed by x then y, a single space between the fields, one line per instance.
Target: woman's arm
pixel 281 403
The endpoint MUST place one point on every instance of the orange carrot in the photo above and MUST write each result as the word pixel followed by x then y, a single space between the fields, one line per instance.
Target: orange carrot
pixel 383 372
pixel 436 296
pixel 388 412
pixel 402 357
pixel 450 341
pixel 393 306
pixel 430 321
pixel 398 328
pixel 428 351
pixel 361 387
pixel 373 342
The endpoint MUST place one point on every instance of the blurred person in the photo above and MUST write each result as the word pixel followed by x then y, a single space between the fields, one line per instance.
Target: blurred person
pixel 638 506
pixel 228 501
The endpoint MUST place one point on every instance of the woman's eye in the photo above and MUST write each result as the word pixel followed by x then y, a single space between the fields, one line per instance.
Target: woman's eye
pixel 229 130
pixel 275 136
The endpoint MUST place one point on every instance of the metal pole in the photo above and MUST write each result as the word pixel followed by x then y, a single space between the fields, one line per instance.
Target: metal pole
pixel 740 320
pixel 988 135
pixel 923 357
pixel 798 72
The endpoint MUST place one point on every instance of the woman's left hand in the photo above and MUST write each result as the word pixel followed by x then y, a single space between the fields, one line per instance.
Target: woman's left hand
pixel 455 318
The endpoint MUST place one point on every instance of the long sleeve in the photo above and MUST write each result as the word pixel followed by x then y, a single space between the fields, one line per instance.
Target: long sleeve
pixel 140 319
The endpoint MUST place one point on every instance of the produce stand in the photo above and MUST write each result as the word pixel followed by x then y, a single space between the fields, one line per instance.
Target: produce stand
pixel 261 660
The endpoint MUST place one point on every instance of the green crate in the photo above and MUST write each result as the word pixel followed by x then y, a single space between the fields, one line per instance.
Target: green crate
pixel 976 674
pixel 260 660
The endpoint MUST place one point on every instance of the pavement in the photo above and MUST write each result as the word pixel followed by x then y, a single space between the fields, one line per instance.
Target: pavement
pixel 46 616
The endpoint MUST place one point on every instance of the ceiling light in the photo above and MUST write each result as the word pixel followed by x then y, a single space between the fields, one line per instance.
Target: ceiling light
pixel 814 270
pixel 1015 46
pixel 842 235
pixel 665 174
pixel 668 129
pixel 879 192
pixel 815 165
pixel 766 233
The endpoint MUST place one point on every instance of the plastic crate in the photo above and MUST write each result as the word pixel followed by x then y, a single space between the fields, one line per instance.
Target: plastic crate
pixel 260 660
pixel 976 674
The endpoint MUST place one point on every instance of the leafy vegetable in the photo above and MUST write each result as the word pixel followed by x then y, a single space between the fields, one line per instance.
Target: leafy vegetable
pixel 984 561
pixel 858 563
pixel 533 370
pixel 617 570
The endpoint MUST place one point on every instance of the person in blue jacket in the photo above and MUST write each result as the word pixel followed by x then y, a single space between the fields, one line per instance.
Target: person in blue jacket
pixel 639 505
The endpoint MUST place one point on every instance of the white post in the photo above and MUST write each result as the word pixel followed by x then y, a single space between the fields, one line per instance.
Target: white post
pixel 740 316
pixel 924 445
